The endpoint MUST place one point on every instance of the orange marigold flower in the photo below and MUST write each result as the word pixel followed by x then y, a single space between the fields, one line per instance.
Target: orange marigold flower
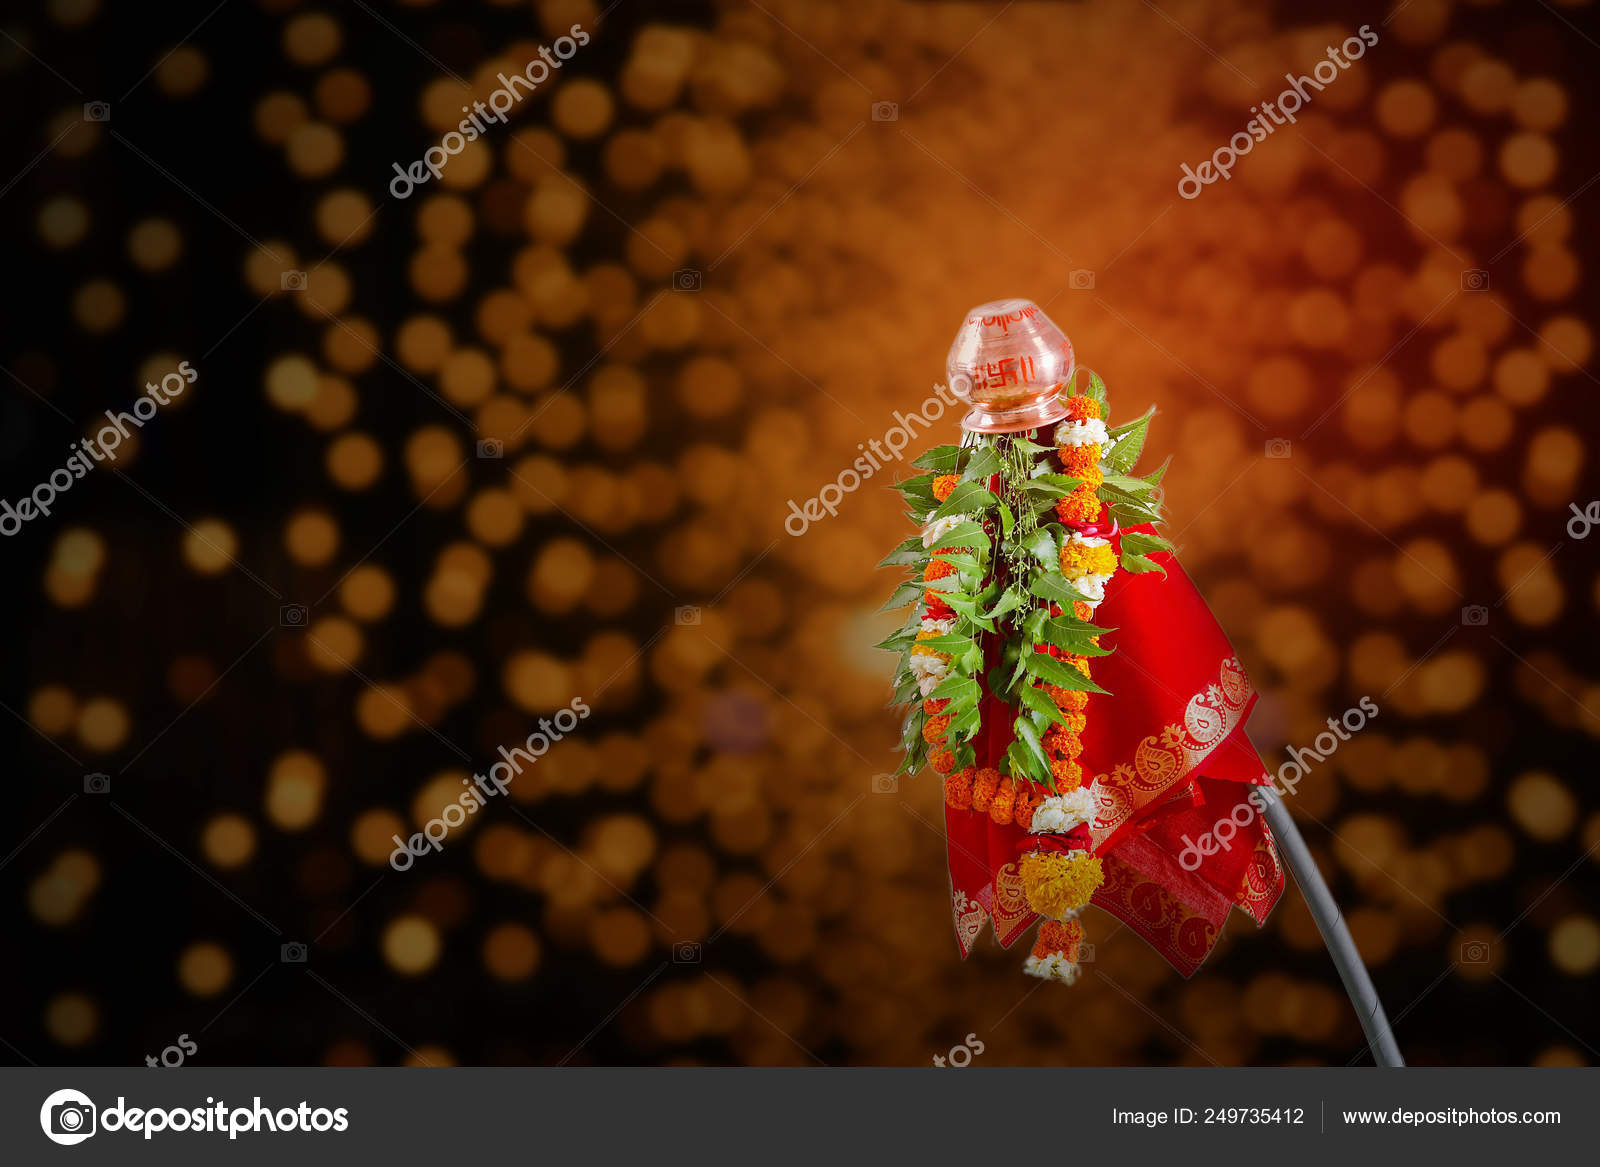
pixel 984 783
pixel 1073 699
pixel 1078 507
pixel 1029 796
pixel 938 568
pixel 934 728
pixel 1061 743
pixel 1004 800
pixel 1076 459
pixel 935 705
pixel 1081 663
pixel 1082 610
pixel 1068 775
pixel 944 485
pixel 958 789
pixel 1082 408
pixel 943 761
pixel 1063 936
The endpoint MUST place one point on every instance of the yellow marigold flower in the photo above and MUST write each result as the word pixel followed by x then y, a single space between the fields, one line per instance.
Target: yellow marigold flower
pixel 934 728
pixel 943 485
pixel 1081 663
pixel 1082 610
pixel 1057 884
pixel 1003 802
pixel 1078 559
pixel 1082 408
pixel 958 789
pixel 984 783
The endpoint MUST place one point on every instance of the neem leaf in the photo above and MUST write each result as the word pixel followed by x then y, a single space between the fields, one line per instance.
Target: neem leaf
pixel 939 459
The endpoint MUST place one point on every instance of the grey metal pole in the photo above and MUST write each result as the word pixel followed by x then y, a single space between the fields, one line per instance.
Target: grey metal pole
pixel 1330 922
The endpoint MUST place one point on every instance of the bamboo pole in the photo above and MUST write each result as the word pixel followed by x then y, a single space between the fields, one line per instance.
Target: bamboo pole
pixel 1330 922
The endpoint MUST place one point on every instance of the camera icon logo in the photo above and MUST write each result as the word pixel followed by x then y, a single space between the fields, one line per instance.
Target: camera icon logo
pixel 1279 448
pixel 885 784
pixel 292 281
pixel 97 111
pixel 686 279
pixel 687 616
pixel 67 1117
pixel 293 953
pixel 1085 953
pixel 1081 280
pixel 1475 279
pixel 97 783
pixel 686 952
pixel 491 448
pixel 1474 615
pixel 885 111
pixel 1475 952
pixel 294 615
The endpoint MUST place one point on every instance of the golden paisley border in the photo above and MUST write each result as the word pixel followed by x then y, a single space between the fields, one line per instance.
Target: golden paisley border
pixel 1165 758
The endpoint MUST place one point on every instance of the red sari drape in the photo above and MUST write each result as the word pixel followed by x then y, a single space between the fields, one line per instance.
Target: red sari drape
pixel 1169 760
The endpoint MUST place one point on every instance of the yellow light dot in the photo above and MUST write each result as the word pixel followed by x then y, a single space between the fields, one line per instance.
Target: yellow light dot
pixel 422 343
pixel 1405 108
pixel 495 517
pixel 335 402
pixel 1542 806
pixel 103 724
pixel 63 221
pixel 367 593
pixel 228 840
pixel 411 945
pixel 355 461
pixel 537 682
pixel 1528 160
pixel 372 835
pixel 311 39
pixel 182 71
pixel 155 244
pixel 276 116
pixel 71 1019
pixel 384 712
pixel 294 790
pixel 511 953
pixel 467 376
pixel 205 969
pixel 311 537
pixel 334 644
pixel 314 149
pixel 582 109
pixel 291 382
pixel 1575 946
pixel 209 547
pixel 98 306
pixel 53 710
pixel 343 95
pixel 1539 104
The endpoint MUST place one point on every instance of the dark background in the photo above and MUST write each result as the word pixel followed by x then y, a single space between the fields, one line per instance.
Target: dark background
pixel 720 796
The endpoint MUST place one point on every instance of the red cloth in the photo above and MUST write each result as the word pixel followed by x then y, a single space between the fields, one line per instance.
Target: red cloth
pixel 1169 763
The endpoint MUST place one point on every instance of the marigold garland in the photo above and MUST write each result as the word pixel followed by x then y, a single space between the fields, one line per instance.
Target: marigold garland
pixel 980 583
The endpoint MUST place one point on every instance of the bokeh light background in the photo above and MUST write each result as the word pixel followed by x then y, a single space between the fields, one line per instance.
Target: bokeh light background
pixel 679 288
